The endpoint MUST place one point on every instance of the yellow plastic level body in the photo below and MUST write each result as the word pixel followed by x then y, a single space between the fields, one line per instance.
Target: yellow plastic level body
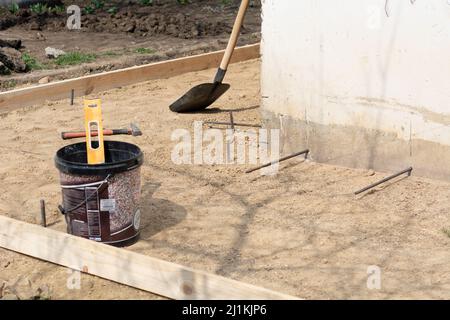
pixel 93 122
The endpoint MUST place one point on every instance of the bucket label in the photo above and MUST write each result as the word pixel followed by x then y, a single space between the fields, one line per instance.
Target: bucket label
pixel 107 205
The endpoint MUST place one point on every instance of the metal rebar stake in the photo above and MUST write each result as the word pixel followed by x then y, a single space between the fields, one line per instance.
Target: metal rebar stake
pixel 72 96
pixel 235 124
pixel 373 185
pixel 305 152
pixel 232 121
pixel 43 216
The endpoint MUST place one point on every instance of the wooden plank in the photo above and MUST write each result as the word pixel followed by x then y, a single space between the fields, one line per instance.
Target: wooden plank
pixel 13 99
pixel 123 266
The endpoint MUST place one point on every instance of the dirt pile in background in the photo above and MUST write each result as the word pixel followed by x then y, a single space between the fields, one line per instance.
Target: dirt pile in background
pixel 194 20
pixel 149 23
pixel 119 34
pixel 11 57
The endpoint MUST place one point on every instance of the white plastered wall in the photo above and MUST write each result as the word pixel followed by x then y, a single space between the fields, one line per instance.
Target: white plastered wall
pixel 370 64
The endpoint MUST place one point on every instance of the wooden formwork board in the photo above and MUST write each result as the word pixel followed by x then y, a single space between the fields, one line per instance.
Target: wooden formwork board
pixel 17 98
pixel 124 266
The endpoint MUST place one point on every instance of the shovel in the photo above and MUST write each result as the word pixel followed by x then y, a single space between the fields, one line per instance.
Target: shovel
pixel 202 96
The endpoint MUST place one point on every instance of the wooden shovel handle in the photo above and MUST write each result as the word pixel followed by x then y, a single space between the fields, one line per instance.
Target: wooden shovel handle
pixel 234 35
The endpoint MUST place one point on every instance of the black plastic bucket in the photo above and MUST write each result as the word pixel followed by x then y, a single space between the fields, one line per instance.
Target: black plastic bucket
pixel 101 202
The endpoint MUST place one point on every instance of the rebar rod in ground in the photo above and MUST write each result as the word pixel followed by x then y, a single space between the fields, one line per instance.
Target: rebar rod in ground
pixel 235 124
pixel 373 185
pixel 43 216
pixel 72 96
pixel 305 152
pixel 232 120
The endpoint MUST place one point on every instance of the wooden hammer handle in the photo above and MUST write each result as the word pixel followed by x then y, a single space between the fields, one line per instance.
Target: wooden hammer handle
pixel 82 134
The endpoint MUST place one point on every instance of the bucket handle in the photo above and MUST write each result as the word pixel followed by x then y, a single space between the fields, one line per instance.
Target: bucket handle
pixel 64 211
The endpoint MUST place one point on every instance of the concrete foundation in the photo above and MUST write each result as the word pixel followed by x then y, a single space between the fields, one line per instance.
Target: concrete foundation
pixel 360 84
pixel 357 147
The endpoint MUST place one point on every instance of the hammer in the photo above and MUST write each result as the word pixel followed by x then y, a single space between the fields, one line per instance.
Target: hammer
pixel 132 131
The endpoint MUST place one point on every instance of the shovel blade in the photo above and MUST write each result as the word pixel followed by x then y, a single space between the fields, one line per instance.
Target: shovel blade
pixel 200 97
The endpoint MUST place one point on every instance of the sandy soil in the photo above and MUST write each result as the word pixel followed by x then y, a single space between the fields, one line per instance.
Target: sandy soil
pixel 301 232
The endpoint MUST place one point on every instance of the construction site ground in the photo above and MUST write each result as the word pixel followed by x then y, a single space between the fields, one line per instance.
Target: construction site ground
pixel 302 231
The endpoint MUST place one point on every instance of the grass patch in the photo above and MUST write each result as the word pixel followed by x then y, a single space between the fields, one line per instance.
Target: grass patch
pixel 39 8
pixel 57 9
pixel 8 84
pixel 31 62
pixel 98 4
pixel 74 58
pixel 144 50
pixel 110 54
pixel 14 8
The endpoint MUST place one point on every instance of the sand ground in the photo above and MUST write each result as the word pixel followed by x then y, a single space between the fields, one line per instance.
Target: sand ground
pixel 301 232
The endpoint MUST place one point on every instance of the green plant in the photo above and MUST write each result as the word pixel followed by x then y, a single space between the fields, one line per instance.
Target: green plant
pixel 183 1
pixel 98 4
pixel 110 54
pixel 57 9
pixel 13 8
pixel 39 8
pixel 73 58
pixel 31 62
pixel 144 50
pixel 146 2
pixel 112 10
pixel 89 9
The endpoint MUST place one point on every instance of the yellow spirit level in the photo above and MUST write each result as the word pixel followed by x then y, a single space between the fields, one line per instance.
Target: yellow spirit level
pixel 93 122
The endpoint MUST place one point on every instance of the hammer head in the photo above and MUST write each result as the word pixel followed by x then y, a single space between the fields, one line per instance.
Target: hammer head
pixel 135 131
